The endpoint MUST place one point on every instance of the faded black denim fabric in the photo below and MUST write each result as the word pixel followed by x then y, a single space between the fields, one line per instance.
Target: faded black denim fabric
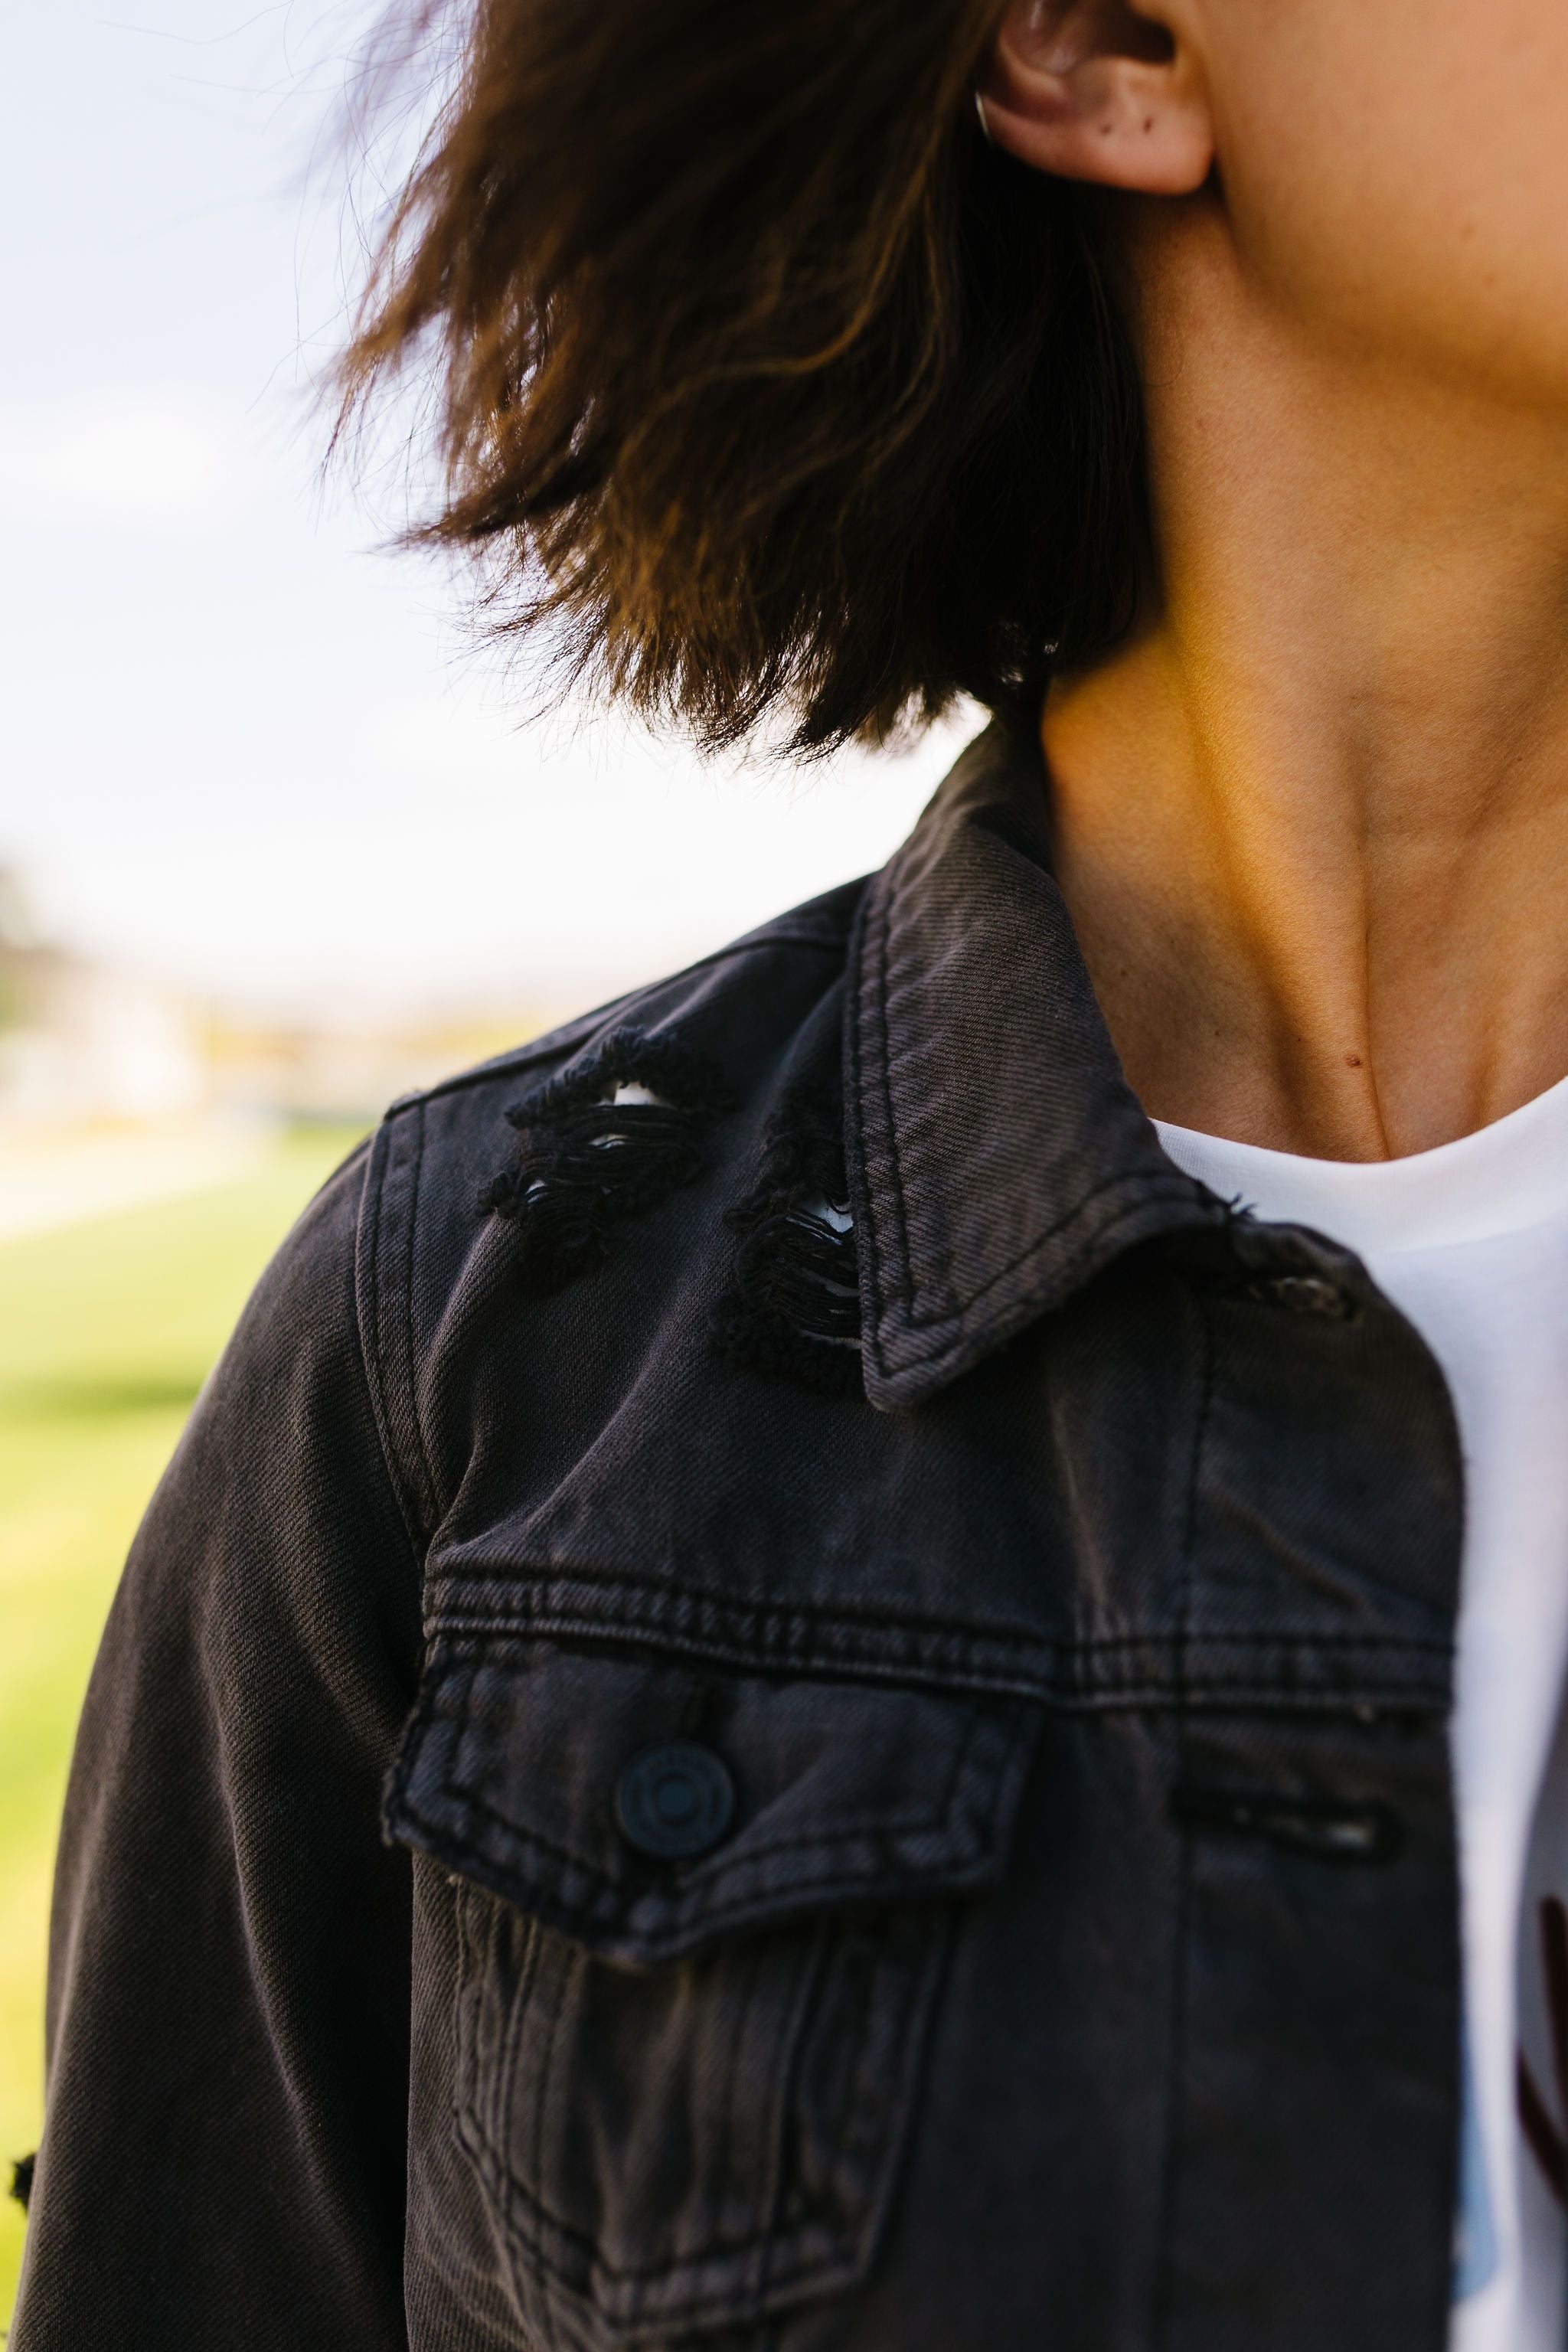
pixel 606 1819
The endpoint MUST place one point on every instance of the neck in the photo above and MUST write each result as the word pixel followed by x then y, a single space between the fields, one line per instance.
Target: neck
pixel 1311 820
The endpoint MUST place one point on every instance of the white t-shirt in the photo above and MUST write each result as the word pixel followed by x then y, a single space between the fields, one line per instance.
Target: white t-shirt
pixel 1470 1242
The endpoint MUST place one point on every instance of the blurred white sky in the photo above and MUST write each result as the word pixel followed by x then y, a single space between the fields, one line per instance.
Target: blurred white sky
pixel 237 746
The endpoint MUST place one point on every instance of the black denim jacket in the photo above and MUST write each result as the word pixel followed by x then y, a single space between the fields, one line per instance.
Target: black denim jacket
pixel 798 1702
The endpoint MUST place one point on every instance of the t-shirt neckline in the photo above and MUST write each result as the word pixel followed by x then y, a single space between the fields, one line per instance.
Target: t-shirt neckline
pixel 1504 1178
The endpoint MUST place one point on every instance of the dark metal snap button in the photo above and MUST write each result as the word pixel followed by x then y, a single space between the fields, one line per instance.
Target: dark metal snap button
pixel 675 1801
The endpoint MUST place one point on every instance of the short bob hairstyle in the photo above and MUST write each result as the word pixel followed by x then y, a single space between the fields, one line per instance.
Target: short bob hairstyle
pixel 760 377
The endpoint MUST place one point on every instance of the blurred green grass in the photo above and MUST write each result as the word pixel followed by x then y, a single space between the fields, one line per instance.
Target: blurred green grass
pixel 107 1332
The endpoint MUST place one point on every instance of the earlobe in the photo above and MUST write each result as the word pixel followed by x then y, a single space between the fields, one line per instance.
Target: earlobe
pixel 1100 90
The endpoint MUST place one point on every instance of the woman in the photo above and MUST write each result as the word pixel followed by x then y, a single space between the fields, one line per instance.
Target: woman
pixel 887 1676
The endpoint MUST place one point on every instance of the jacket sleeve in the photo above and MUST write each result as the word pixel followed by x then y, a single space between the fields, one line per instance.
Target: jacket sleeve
pixel 222 2154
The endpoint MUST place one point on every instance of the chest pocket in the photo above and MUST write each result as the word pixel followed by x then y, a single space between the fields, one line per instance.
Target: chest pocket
pixel 701 1919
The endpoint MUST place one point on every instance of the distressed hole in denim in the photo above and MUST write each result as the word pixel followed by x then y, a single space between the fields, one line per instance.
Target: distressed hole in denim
pixel 603 1141
pixel 793 1306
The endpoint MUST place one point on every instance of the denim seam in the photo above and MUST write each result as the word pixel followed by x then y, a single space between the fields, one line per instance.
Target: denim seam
pixel 468 2123
pixel 655 2274
pixel 902 1976
pixel 884 1043
pixel 655 1946
pixel 566 1963
pixel 368 1336
pixel 856 1095
pixel 512 2184
pixel 788 2045
pixel 932 1651
pixel 708 1922
pixel 720 2167
pixel 815 1617
pixel 910 1323
pixel 397 1799
pixel 432 1491
pixel 1419 1692
pixel 1153 1192
pixel 1393 1673
pixel 514 2036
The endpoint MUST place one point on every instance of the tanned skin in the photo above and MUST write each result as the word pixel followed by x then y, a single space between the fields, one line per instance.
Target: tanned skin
pixel 1312 819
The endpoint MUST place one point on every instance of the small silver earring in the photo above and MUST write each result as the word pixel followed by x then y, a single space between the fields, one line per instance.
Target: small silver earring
pixel 984 118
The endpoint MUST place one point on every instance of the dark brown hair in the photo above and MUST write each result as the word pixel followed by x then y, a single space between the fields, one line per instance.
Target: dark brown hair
pixel 767 386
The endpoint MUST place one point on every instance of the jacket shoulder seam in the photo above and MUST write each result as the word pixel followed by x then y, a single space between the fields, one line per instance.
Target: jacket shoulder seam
pixel 561 1040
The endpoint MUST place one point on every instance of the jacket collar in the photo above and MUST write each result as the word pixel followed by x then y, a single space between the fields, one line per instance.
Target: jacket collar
pixel 997 1157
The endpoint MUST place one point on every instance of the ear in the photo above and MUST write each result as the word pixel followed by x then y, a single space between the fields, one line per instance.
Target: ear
pixel 1106 91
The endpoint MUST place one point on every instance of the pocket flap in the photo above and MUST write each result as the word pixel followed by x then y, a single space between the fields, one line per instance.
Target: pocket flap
pixel 535 1770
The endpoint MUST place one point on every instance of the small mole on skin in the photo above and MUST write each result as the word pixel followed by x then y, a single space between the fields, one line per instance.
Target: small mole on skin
pixel 1352 1061
pixel 1149 125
